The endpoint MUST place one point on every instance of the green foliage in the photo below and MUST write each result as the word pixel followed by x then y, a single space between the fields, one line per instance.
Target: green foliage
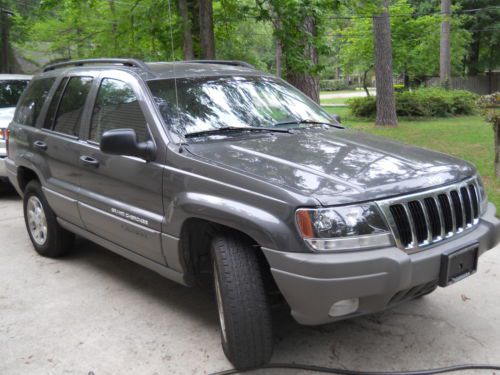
pixel 490 107
pixel 363 107
pixel 398 87
pixel 428 102
pixel 69 29
pixel 415 42
pixel 333 84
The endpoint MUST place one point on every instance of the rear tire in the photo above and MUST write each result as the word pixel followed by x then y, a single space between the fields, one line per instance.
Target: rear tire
pixel 242 302
pixel 48 238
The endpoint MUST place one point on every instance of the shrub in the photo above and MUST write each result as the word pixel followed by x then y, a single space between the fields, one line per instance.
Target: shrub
pixel 427 102
pixel 398 87
pixel 333 85
pixel 363 107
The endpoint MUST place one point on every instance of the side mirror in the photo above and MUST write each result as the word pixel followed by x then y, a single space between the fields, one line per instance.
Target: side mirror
pixel 124 142
pixel 336 118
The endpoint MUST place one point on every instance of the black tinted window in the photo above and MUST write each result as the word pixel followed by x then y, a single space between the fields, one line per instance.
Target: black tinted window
pixel 71 105
pixel 10 91
pixel 51 113
pixel 32 100
pixel 117 107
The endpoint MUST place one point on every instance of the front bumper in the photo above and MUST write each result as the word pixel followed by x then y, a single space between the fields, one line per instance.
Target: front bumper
pixel 311 283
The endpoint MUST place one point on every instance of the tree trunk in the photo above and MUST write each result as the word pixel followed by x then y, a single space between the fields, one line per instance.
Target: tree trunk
pixel 365 86
pixel 207 39
pixel 187 36
pixel 113 26
pixel 496 129
pixel 304 81
pixel 5 41
pixel 386 104
pixel 444 53
pixel 279 57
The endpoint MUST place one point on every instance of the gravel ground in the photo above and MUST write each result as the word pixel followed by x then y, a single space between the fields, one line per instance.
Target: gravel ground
pixel 95 312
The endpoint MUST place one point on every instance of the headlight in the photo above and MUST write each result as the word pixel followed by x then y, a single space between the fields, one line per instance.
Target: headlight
pixel 343 228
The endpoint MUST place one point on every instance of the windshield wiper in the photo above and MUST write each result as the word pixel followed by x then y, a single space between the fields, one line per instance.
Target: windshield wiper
pixel 232 129
pixel 305 121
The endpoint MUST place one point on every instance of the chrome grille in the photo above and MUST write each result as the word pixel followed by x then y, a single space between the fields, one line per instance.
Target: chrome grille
pixel 422 219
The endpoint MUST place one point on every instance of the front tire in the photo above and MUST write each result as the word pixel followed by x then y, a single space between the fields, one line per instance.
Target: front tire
pixel 48 238
pixel 242 302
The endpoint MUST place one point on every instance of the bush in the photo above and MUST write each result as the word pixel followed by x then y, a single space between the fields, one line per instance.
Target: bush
pixel 333 85
pixel 363 107
pixel 427 102
pixel 398 87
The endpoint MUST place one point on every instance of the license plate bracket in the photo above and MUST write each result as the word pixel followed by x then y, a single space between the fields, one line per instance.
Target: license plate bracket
pixel 458 264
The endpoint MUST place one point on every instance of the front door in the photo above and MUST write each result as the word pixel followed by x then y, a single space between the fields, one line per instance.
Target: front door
pixel 121 196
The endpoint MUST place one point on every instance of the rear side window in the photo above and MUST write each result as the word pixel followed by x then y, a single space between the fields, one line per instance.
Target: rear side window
pixel 117 107
pixel 32 100
pixel 70 109
pixel 51 112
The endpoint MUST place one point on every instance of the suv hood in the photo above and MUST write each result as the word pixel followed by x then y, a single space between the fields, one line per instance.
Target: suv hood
pixel 335 166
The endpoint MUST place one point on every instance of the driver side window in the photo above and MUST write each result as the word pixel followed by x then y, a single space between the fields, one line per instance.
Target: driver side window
pixel 117 107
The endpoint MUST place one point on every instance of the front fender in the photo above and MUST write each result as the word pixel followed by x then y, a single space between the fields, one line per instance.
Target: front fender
pixel 266 229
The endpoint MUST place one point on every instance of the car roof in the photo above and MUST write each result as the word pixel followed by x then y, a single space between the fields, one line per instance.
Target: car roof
pixel 155 70
pixel 15 77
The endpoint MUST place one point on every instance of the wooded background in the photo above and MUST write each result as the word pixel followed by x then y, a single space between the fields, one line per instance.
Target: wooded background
pixel 303 41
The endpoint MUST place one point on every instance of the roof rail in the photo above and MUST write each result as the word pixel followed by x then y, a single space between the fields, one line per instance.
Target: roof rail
pixel 222 62
pixel 124 62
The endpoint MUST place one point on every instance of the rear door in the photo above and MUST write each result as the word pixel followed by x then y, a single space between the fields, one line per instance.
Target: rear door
pixel 57 144
pixel 121 196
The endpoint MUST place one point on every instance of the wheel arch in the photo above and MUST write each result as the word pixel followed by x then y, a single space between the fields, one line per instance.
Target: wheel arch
pixel 24 176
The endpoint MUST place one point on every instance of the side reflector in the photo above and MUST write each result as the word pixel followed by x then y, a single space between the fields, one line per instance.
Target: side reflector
pixel 304 223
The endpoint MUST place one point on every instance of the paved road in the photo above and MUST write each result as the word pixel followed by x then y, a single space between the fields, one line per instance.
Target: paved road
pixel 96 312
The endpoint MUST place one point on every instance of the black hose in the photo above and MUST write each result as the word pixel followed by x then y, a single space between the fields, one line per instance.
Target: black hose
pixel 341 371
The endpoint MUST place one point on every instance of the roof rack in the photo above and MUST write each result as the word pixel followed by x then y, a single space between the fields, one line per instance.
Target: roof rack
pixel 222 62
pixel 124 62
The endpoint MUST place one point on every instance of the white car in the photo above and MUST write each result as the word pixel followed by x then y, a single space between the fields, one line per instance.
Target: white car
pixel 11 88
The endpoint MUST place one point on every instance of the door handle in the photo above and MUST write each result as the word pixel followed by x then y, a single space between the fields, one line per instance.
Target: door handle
pixel 91 162
pixel 40 145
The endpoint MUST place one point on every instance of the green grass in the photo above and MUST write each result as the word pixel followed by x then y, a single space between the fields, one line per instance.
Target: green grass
pixel 468 137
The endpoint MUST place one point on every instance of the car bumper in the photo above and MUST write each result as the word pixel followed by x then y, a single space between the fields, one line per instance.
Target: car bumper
pixel 311 283
pixel 3 167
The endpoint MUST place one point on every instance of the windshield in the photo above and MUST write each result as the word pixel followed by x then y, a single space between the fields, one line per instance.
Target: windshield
pixel 212 103
pixel 10 91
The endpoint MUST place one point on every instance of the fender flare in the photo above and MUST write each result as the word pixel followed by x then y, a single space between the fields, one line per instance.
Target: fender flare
pixel 263 227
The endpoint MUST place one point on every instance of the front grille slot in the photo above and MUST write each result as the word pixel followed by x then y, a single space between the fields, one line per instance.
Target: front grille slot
pixel 473 195
pixel 457 208
pixel 432 211
pixel 421 219
pixel 467 205
pixel 418 217
pixel 447 215
pixel 402 223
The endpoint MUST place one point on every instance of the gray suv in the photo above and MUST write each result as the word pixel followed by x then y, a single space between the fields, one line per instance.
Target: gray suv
pixel 207 168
